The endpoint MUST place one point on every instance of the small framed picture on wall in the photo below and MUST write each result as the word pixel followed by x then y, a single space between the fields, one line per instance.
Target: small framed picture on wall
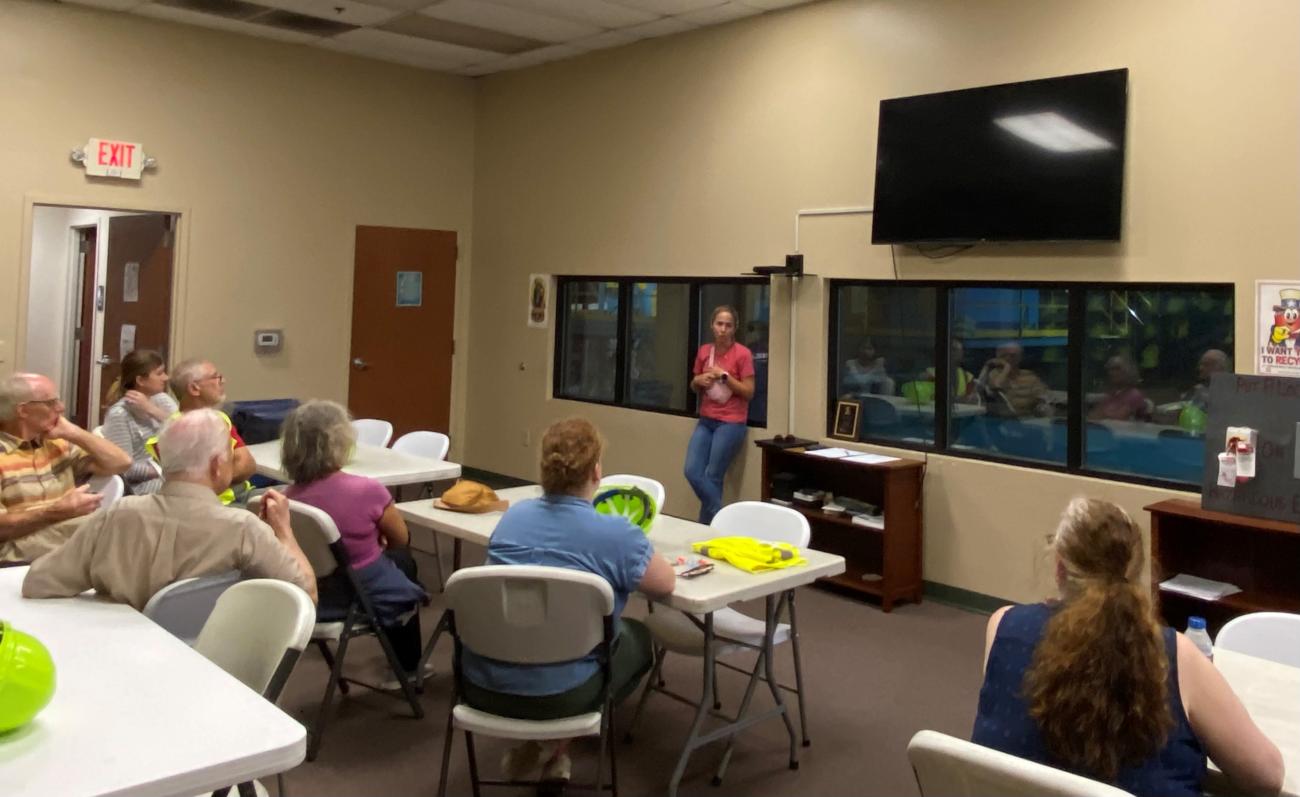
pixel 847 413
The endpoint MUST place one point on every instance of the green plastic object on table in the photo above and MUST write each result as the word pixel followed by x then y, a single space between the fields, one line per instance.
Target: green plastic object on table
pixel 1192 419
pixel 627 501
pixel 26 677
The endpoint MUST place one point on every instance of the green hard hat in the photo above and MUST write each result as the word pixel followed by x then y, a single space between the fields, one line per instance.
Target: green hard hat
pixel 26 677
pixel 626 501
pixel 1192 418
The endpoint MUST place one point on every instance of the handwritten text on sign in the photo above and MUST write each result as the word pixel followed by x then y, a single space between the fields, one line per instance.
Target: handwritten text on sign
pixel 107 158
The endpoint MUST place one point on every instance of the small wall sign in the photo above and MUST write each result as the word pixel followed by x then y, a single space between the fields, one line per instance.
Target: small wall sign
pixel 104 157
pixel 410 288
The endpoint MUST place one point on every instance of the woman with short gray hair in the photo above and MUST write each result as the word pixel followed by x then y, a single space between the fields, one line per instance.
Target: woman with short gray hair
pixel 316 442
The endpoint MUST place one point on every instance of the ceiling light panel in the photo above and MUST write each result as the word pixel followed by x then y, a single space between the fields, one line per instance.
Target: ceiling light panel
pixel 111 5
pixel 772 5
pixel 401 5
pixel 188 17
pixel 477 38
pixel 665 26
pixel 406 49
pixel 723 13
pixel 601 13
pixel 666 7
pixel 303 23
pixel 601 41
pixel 359 14
pixel 508 19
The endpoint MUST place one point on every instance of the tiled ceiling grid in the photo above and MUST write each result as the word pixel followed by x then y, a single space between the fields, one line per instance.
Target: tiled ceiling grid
pixel 465 37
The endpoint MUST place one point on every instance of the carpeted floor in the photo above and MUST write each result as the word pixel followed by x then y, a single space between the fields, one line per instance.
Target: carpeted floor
pixel 873 679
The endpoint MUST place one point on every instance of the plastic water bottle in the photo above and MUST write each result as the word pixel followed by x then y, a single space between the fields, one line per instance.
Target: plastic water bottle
pixel 1199 636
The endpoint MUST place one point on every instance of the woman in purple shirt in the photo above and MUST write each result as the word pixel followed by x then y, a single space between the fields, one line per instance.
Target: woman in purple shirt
pixel 316 442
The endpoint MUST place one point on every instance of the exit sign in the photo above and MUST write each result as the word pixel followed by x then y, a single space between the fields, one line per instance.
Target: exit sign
pixel 104 157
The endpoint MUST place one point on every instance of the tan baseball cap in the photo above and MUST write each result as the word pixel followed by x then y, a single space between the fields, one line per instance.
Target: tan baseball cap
pixel 471 497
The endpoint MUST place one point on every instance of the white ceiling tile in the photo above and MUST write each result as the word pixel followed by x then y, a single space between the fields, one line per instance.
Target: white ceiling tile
pixel 221 23
pixel 601 41
pixel 666 7
pixel 336 10
pixel 508 19
pixel 660 27
pixel 601 13
pixel 111 5
pixel 723 13
pixel 770 5
pixel 406 49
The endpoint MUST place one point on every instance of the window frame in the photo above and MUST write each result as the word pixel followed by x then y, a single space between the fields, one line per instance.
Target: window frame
pixel 623 325
pixel 1075 417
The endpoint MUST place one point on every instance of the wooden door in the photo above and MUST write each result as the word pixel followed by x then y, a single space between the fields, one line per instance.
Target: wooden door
pixel 83 334
pixel 403 307
pixel 137 291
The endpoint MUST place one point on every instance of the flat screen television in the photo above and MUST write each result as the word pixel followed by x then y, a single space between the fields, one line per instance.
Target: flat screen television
pixel 1041 160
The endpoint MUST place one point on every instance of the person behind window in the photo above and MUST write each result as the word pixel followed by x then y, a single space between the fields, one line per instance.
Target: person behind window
pixel 140 406
pixel 865 374
pixel 563 529
pixel 1093 683
pixel 1123 401
pixel 1213 361
pixel 1007 388
pixel 316 441
pixel 724 380
pixel 960 381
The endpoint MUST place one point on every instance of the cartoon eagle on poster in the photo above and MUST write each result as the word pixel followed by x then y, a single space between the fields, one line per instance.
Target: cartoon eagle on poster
pixel 1286 319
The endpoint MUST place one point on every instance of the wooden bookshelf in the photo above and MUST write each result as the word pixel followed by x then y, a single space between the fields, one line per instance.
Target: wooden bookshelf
pixel 890 552
pixel 1262 557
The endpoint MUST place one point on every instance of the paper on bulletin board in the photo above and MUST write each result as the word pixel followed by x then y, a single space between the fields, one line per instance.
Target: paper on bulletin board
pixel 126 341
pixel 539 285
pixel 131 283
pixel 1277 352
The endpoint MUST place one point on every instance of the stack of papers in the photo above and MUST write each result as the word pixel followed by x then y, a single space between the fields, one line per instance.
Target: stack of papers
pixel 1197 587
pixel 830 453
pixel 870 459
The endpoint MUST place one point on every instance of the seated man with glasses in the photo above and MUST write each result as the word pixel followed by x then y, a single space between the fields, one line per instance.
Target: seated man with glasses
pixel 42 455
pixel 198 385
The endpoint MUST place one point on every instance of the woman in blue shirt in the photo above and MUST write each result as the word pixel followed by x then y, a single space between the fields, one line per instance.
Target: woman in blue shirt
pixel 563 529
pixel 1094 684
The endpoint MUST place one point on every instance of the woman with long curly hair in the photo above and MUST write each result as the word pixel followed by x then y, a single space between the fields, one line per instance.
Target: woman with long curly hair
pixel 1093 683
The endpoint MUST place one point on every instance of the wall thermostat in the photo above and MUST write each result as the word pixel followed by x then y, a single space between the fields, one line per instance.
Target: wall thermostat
pixel 268 341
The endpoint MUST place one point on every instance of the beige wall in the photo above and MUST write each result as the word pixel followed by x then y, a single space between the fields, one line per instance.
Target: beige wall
pixel 690 155
pixel 273 153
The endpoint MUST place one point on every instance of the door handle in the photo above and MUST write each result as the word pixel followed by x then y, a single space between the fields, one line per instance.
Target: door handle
pixel 359 363
pixel 104 359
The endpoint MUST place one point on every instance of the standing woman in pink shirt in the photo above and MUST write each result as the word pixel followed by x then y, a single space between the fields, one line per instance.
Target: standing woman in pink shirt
pixel 724 380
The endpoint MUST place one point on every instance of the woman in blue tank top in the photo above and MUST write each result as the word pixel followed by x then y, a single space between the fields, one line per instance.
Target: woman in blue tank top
pixel 1092 683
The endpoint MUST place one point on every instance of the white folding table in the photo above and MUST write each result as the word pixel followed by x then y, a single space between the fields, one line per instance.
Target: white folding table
pixel 386 466
pixel 136 711
pixel 1271 693
pixel 703 596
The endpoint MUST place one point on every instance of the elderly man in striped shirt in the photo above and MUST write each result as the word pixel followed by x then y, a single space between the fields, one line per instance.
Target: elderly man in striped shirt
pixel 42 455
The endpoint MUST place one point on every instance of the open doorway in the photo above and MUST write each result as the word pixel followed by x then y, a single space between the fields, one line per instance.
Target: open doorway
pixel 101 285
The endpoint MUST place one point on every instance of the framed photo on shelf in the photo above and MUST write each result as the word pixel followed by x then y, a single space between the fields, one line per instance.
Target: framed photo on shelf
pixel 847 413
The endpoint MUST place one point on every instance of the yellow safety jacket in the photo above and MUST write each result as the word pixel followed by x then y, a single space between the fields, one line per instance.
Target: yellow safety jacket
pixel 227 496
pixel 749 554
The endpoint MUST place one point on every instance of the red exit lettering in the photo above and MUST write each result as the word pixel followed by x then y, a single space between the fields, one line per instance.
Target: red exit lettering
pixel 114 154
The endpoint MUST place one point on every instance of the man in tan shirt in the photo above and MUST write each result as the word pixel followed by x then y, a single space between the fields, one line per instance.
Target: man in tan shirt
pixel 42 456
pixel 143 543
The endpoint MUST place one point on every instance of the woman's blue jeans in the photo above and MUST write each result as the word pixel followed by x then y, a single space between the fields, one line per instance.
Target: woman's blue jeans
pixel 712 448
